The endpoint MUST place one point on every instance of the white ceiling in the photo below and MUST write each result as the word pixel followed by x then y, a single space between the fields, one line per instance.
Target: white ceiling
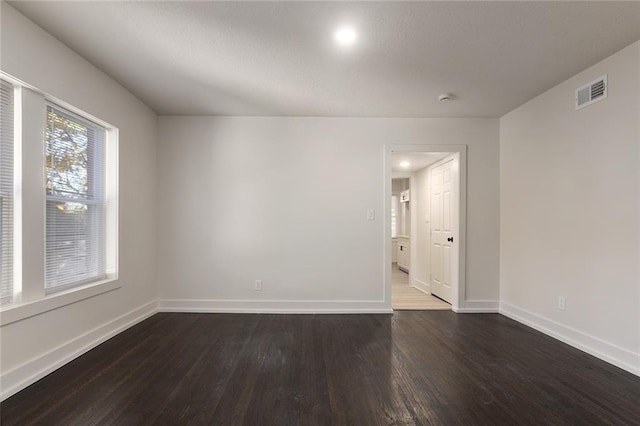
pixel 279 58
pixel 417 160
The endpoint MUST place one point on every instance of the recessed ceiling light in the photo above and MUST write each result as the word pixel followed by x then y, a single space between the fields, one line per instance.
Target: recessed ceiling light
pixel 345 36
pixel 405 164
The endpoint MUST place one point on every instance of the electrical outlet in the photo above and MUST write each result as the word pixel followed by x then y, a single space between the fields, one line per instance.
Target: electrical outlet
pixel 258 285
pixel 371 214
pixel 562 303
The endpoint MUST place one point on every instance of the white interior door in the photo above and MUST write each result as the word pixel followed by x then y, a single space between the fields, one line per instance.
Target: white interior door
pixel 442 222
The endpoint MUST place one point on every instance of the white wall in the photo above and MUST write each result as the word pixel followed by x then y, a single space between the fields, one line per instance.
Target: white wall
pixel 420 201
pixel 34 346
pixel 284 200
pixel 569 212
pixel 404 212
pixel 398 185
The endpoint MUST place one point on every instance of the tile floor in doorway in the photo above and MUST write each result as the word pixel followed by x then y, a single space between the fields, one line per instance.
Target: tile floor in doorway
pixel 403 296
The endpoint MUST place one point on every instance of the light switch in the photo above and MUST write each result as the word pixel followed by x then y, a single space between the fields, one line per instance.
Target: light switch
pixel 371 214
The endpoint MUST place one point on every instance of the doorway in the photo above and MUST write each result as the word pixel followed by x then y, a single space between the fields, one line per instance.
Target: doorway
pixel 425 193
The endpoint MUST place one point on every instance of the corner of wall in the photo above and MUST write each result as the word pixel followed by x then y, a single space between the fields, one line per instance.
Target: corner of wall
pixel 530 136
pixel 36 368
pixel 620 357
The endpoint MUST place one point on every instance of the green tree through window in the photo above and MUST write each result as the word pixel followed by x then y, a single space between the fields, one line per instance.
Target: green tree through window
pixel 66 152
pixel 75 246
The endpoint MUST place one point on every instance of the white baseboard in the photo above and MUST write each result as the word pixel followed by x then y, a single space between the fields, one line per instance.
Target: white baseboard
pixel 478 307
pixel 33 370
pixel 422 286
pixel 620 357
pixel 275 306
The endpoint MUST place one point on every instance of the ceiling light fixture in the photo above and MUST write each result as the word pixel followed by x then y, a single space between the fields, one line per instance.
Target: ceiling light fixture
pixel 405 164
pixel 345 36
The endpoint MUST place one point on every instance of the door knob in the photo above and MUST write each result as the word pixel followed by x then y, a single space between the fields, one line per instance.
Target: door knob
pixel 450 239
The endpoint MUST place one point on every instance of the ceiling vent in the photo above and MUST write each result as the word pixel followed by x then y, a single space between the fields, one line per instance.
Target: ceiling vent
pixel 592 92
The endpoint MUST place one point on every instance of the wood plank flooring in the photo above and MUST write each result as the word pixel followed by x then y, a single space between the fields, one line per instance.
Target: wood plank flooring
pixel 413 367
pixel 404 297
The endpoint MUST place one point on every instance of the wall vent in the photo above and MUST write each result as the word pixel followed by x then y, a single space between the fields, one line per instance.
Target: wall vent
pixel 592 92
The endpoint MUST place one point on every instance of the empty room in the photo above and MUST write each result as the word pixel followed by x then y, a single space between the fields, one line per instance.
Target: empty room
pixel 319 213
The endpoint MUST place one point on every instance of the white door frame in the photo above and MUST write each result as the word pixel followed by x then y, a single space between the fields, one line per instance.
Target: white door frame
pixel 459 285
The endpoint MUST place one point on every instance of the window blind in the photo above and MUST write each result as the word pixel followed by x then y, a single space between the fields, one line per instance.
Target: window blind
pixel 75 205
pixel 6 191
pixel 394 216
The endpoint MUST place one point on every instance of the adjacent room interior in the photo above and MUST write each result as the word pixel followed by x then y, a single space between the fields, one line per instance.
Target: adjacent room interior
pixel 319 212
pixel 423 218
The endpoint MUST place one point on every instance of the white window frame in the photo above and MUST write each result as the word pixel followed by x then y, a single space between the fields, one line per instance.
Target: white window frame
pixel 395 203
pixel 89 200
pixel 30 298
pixel 9 195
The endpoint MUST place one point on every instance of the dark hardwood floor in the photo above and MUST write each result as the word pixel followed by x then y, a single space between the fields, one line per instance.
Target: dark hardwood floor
pixel 431 367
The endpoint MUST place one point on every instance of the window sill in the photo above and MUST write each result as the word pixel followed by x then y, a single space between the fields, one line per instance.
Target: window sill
pixel 18 311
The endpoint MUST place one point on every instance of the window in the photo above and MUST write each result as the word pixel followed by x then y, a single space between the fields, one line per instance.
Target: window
pixel 58 203
pixel 6 191
pixel 75 200
pixel 394 216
